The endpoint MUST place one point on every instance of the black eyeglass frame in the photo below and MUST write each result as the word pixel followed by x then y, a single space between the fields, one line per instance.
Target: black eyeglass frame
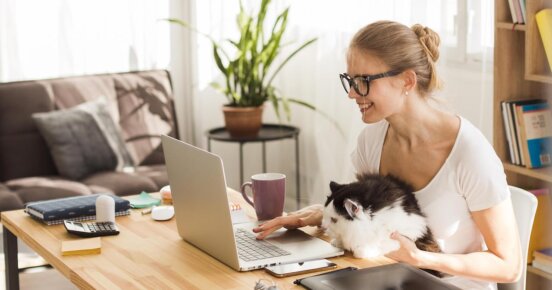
pixel 366 78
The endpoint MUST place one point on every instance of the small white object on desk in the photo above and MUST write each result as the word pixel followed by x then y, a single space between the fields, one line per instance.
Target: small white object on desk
pixel 166 195
pixel 105 208
pixel 162 213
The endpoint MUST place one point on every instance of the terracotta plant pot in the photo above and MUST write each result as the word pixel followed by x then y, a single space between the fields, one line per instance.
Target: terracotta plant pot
pixel 243 121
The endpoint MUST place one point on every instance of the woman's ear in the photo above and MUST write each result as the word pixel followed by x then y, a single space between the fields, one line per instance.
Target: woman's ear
pixel 410 80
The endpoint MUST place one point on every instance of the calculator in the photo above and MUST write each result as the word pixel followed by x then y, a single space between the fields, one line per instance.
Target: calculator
pixel 91 229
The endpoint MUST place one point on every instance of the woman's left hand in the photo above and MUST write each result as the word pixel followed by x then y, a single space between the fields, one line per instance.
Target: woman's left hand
pixel 407 253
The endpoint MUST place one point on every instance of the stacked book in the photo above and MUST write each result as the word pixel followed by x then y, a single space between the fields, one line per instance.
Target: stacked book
pixel 544 23
pixel 528 130
pixel 542 260
pixel 77 208
pixel 517 10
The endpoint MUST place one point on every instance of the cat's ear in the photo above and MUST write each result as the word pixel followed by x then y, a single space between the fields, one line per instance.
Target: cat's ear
pixel 354 209
pixel 334 186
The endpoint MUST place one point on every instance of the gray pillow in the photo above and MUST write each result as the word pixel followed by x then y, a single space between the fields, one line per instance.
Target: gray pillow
pixel 83 140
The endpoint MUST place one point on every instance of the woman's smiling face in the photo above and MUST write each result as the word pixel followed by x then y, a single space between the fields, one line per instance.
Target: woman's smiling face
pixel 385 96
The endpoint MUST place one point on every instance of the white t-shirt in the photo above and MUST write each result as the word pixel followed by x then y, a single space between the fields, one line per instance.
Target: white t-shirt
pixel 471 179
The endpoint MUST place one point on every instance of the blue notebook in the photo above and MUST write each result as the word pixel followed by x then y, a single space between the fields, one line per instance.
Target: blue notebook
pixel 54 211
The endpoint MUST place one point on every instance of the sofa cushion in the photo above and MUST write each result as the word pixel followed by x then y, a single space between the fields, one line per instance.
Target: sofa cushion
pixel 83 140
pixel 146 111
pixel 70 92
pixel 157 173
pixel 23 151
pixel 43 188
pixel 121 183
pixel 9 200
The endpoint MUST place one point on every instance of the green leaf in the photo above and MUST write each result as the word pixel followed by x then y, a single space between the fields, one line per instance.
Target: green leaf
pixel 218 60
pixel 274 99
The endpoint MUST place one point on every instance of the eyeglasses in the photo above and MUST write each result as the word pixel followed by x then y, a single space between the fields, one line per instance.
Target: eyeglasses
pixel 361 83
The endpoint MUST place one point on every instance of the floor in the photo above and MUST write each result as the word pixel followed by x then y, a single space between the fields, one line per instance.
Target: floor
pixel 34 271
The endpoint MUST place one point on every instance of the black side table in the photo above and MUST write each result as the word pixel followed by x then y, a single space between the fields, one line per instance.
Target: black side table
pixel 268 132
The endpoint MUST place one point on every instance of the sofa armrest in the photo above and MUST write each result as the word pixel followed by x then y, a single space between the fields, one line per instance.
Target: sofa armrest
pixel 9 200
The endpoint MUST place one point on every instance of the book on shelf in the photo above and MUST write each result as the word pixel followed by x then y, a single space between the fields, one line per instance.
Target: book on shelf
pixel 541 235
pixel 542 266
pixel 512 110
pixel 546 262
pixel 544 23
pixel 544 254
pixel 517 7
pixel 535 127
pixel 76 208
pixel 523 10
pixel 521 146
pixel 513 11
pixel 517 10
pixel 509 132
pixel 542 259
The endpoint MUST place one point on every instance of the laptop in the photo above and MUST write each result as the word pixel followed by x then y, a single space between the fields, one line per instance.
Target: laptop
pixel 203 217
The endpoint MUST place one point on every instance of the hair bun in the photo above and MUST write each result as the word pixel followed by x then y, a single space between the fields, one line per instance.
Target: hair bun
pixel 429 40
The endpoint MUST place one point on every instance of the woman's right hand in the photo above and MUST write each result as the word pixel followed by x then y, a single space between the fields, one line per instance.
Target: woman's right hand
pixel 308 216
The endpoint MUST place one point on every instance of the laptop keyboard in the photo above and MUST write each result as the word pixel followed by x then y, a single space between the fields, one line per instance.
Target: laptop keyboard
pixel 251 249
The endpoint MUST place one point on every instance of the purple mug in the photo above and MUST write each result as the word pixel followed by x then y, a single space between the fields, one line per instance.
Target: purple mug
pixel 269 192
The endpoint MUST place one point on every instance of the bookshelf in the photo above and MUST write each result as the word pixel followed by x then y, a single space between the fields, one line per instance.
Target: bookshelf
pixel 520 72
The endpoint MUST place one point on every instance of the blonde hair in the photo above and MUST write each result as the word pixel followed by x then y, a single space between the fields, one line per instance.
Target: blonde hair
pixel 403 48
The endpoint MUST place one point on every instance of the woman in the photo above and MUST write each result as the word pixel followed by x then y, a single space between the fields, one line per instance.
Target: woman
pixel 459 181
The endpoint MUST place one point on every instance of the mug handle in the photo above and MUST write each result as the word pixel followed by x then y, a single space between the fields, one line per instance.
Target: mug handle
pixel 247 184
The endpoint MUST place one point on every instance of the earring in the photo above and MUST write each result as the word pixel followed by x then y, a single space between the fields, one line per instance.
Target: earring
pixel 406 93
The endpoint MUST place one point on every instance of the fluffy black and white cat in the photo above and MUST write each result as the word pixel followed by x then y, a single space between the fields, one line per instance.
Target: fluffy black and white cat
pixel 361 216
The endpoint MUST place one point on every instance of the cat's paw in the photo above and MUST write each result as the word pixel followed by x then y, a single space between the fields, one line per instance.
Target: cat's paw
pixel 337 243
pixel 366 252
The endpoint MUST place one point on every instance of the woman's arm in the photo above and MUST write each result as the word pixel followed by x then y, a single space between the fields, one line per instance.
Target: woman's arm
pixel 501 263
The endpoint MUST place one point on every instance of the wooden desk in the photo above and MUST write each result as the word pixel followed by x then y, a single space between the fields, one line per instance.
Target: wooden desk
pixel 145 255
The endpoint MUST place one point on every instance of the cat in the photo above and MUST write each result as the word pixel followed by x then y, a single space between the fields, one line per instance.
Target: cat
pixel 361 216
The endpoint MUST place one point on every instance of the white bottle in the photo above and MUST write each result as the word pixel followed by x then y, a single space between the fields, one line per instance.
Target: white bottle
pixel 105 208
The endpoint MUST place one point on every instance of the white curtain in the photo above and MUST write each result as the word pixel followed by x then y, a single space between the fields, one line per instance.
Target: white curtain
pixel 46 39
pixel 466 29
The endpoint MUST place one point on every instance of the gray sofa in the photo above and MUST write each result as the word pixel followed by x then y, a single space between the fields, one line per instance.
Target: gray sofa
pixel 141 103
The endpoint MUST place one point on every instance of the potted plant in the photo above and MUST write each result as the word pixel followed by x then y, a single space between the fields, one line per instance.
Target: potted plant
pixel 251 69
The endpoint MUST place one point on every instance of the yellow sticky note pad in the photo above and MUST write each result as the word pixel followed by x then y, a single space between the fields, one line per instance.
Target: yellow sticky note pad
pixel 81 247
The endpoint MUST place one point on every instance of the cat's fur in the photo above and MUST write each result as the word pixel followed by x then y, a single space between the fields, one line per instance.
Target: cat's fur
pixel 361 216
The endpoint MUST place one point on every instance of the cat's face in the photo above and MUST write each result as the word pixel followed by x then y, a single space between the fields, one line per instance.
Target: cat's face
pixel 344 205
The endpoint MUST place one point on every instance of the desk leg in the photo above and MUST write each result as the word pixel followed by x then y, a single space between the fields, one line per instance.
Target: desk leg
pixel 10 259
pixel 264 157
pixel 297 175
pixel 241 164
